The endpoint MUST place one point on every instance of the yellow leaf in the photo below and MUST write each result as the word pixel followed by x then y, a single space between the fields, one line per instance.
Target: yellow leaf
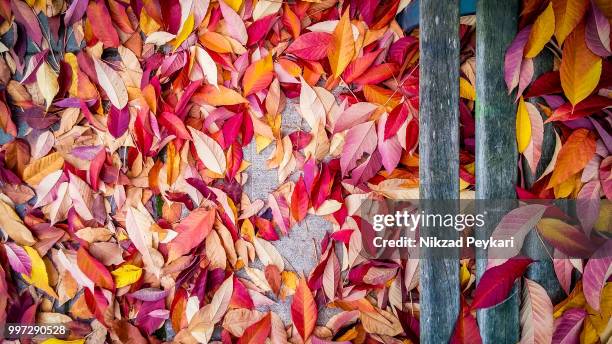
pixel 541 32
pixel 466 90
pixel 185 31
pixel 523 126
pixel 11 223
pixel 568 14
pixel 234 4
pixel 589 332
pixel 36 170
pixel 71 59
pixel 61 341
pixel 343 46
pixel 126 274
pixel 38 277
pixel 47 82
pixel 261 142
pixel 580 68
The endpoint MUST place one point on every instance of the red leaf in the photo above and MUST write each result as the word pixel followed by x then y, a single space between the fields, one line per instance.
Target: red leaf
pixel 377 74
pixel 96 303
pixel 396 118
pixel 95 167
pixel 466 329
pixel 299 200
pixel 547 83
pixel 412 134
pixel 311 46
pixel 590 105
pixel 497 282
pixel 356 68
pixel 174 124
pixel 304 310
pixel 95 270
pixel 101 24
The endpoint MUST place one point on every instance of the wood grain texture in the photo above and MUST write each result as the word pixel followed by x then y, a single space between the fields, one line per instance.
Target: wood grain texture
pixel 496 151
pixel 439 157
pixel 542 271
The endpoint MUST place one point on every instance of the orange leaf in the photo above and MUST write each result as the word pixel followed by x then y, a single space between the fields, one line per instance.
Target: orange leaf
pixel 258 76
pixel 191 232
pixel 95 270
pixel 258 332
pixel 573 156
pixel 580 68
pixel 568 14
pixel 217 96
pixel 343 45
pixel 304 310
pixel 299 200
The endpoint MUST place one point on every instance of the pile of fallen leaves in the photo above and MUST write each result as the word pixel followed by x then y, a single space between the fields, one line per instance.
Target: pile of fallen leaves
pixel 123 167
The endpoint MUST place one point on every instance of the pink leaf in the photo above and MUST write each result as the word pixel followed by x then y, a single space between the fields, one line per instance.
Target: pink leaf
pixel 514 58
pixel 359 140
pixel 596 273
pixel 516 224
pixel 533 152
pixel 536 314
pixel 563 269
pixel 390 149
pixel 526 75
pixel 354 115
pixel 18 258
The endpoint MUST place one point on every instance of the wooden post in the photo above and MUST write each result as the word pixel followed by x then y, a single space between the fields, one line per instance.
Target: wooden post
pixel 496 151
pixel 439 156
pixel 542 271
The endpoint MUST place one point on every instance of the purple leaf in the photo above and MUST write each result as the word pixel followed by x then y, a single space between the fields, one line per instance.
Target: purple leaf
pixel 149 294
pixel 569 326
pixel 597 33
pixel 75 11
pixel 514 58
pixel 25 16
pixel 587 205
pixel 525 76
pixel 118 121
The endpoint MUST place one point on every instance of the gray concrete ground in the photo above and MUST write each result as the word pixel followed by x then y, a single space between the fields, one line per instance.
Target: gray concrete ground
pixel 298 247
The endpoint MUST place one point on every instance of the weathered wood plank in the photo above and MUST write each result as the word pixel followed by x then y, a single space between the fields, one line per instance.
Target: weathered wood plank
pixel 542 271
pixel 496 152
pixel 439 156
